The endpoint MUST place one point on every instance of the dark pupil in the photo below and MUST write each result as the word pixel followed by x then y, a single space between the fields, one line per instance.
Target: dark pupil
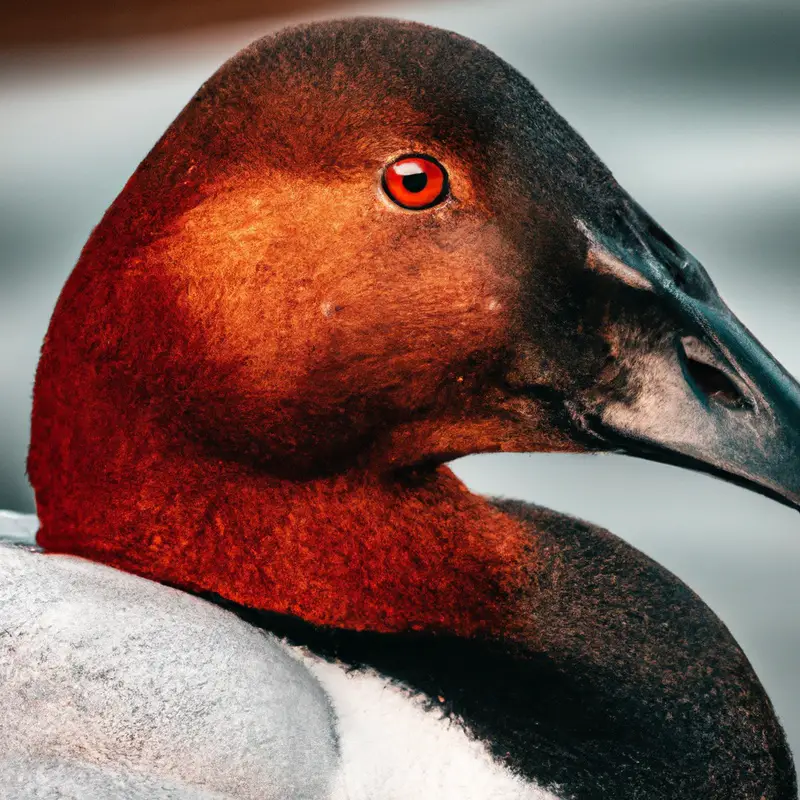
pixel 415 183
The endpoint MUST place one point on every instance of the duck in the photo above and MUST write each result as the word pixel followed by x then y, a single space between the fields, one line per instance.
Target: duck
pixel 366 248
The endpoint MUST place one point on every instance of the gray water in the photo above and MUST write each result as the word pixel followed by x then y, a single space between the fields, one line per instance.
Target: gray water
pixel 694 104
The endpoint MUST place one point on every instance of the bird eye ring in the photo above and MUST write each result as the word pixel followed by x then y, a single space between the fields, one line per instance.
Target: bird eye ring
pixel 415 182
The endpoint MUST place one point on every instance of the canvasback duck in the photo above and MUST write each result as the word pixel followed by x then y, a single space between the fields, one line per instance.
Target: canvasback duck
pixel 366 248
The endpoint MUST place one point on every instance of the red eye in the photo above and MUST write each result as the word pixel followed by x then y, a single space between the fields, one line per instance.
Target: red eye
pixel 415 182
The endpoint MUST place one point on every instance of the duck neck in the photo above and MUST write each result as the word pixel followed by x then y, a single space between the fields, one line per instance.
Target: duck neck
pixel 414 551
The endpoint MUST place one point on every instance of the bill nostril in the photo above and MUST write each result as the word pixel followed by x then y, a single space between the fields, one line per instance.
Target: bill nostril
pixel 715 384
pixel 708 378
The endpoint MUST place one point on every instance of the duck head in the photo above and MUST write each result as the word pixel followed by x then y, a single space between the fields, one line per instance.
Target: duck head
pixel 365 248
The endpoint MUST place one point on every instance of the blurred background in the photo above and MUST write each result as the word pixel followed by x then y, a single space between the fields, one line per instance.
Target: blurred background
pixel 695 106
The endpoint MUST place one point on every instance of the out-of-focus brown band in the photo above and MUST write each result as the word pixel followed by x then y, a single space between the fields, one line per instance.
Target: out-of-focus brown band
pixel 27 23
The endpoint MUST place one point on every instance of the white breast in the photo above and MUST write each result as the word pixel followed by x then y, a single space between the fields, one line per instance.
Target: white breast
pixel 114 686
pixel 394 748
pixel 130 689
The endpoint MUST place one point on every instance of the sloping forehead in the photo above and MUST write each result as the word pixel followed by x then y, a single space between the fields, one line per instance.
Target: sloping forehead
pixel 341 93
pixel 331 97
pixel 332 90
